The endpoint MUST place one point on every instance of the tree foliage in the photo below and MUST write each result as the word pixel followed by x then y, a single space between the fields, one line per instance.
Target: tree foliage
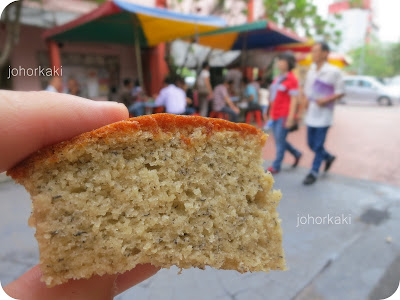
pixel 302 15
pixel 373 60
pixel 394 58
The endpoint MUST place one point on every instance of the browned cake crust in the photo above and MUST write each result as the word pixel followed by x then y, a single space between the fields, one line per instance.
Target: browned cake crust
pixel 154 123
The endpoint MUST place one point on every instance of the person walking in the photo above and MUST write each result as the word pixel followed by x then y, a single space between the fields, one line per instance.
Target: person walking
pixel 284 94
pixel 205 91
pixel 323 86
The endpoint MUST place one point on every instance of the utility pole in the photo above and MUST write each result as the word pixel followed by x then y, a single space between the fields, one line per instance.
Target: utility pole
pixel 360 70
pixel 248 71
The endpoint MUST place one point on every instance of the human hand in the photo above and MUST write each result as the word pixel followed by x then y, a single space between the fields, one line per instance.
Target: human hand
pixel 322 102
pixel 236 109
pixel 30 121
pixel 289 123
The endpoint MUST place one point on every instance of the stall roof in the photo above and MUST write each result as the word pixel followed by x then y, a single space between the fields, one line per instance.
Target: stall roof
pixel 117 22
pixel 337 59
pixel 299 48
pixel 255 35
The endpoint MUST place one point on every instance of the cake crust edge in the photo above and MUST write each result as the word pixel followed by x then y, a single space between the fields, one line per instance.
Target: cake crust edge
pixel 155 124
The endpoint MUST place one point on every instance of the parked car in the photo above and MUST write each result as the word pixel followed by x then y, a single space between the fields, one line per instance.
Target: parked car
pixel 368 89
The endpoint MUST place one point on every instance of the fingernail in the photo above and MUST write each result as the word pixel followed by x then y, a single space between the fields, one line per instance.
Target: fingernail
pixel 112 104
pixel 107 103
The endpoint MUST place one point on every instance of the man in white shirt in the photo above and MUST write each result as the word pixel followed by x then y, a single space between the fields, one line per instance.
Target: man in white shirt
pixel 173 98
pixel 323 86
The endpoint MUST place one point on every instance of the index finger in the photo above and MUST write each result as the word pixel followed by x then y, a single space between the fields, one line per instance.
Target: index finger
pixel 32 120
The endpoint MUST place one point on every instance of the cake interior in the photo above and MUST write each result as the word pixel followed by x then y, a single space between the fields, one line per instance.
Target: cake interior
pixel 184 199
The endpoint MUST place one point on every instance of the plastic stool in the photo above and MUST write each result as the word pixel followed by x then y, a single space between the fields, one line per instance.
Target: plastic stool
pixel 158 109
pixel 219 115
pixel 256 114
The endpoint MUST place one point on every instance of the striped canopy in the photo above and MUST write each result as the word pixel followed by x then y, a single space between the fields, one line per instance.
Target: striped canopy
pixel 119 21
pixel 256 35
pixel 334 58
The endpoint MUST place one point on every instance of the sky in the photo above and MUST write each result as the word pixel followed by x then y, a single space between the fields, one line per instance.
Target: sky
pixel 386 14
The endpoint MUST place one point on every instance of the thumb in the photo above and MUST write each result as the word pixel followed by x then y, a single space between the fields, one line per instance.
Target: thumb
pixel 29 286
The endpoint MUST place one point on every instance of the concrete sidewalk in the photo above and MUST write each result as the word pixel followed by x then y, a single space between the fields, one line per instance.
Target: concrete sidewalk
pixel 4 177
pixel 364 138
pixel 359 260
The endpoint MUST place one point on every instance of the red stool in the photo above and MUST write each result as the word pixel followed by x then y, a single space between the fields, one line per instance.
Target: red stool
pixel 219 115
pixel 158 109
pixel 256 114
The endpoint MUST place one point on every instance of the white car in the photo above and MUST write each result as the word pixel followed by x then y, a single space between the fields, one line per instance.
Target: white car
pixel 368 89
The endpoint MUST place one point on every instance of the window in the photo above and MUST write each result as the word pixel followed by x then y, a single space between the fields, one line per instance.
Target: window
pixel 350 82
pixel 364 83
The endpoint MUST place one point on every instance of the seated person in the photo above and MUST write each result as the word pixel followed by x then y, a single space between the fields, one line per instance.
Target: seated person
pixel 263 96
pixel 180 82
pixel 138 97
pixel 172 97
pixel 251 95
pixel 222 102
pixel 125 96
pixel 137 92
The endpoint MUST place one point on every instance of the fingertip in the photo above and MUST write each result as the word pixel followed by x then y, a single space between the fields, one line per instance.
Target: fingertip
pixel 116 110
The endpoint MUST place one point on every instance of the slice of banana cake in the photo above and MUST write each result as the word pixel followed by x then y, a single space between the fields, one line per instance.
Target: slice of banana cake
pixel 161 189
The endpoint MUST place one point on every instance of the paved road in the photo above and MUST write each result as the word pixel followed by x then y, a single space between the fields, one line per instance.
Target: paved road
pixel 347 261
pixel 366 140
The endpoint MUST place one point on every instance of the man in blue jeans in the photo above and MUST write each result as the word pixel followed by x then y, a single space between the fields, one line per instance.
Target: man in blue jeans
pixel 323 86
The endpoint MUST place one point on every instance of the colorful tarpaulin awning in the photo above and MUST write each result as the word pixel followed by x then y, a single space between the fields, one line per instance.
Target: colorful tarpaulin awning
pixel 119 21
pixel 334 58
pixel 300 47
pixel 255 35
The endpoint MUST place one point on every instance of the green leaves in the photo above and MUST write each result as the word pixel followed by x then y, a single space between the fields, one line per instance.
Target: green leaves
pixel 300 15
pixel 356 3
pixel 394 58
pixel 378 60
